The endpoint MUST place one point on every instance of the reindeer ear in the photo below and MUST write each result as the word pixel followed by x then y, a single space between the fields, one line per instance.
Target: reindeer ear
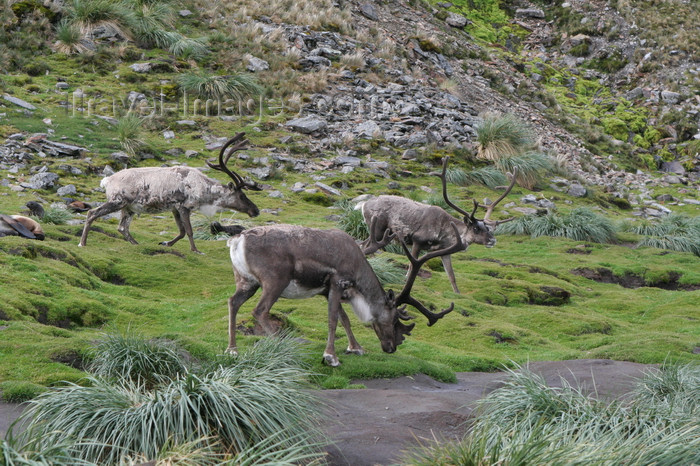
pixel 390 297
pixel 230 185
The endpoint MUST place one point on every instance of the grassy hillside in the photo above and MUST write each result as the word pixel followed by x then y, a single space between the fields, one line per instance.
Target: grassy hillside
pixel 57 297
pixel 526 299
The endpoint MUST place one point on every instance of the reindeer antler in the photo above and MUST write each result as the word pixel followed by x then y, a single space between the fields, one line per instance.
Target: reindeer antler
pixel 443 177
pixel 405 296
pixel 371 244
pixel 489 209
pixel 240 144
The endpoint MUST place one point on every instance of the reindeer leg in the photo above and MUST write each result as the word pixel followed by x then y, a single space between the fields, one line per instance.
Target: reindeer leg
pixel 185 216
pixel 353 345
pixel 334 310
pixel 244 291
pixel 180 227
pixel 261 313
pixel 124 226
pixel 447 264
pixel 94 214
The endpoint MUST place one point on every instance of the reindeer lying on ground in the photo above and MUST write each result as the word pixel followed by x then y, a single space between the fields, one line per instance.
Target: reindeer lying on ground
pixel 297 262
pixel 429 227
pixel 180 189
pixel 18 225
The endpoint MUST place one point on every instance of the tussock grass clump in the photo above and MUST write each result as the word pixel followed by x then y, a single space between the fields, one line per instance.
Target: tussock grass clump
pixel 219 88
pixel 581 224
pixel 675 232
pixel 131 357
pixel 388 272
pixel 509 143
pixel 87 15
pixel 351 221
pixel 130 133
pixel 69 39
pixel 530 165
pixel 675 388
pixel 488 176
pixel 56 216
pixel 240 409
pixel 528 422
pixel 501 136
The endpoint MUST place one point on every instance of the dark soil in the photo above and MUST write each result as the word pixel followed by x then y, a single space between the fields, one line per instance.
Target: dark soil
pixel 629 280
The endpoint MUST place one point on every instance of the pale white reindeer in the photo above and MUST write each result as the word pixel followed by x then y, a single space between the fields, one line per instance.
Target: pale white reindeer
pixel 429 227
pixel 297 262
pixel 180 189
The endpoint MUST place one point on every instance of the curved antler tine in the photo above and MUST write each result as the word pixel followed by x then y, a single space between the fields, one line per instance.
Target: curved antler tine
pixel 432 316
pixel 402 313
pixel 489 210
pixel 240 143
pixel 371 245
pixel 443 177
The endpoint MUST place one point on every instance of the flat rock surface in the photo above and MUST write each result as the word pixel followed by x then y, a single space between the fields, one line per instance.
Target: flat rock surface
pixel 373 426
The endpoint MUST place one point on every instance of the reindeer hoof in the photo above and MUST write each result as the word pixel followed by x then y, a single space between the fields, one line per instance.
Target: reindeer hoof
pixel 231 351
pixel 357 351
pixel 331 360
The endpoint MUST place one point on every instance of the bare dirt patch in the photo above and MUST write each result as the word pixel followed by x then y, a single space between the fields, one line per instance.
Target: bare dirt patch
pixel 629 280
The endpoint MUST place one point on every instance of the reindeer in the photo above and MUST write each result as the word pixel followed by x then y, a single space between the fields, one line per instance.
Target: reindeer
pixel 296 262
pixel 181 189
pixel 19 225
pixel 430 227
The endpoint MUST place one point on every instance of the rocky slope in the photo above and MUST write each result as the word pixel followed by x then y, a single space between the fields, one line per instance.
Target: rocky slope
pixel 412 77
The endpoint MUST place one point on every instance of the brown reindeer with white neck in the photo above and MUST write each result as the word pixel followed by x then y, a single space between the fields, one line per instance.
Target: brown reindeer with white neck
pixel 296 262
pixel 180 189
pixel 429 227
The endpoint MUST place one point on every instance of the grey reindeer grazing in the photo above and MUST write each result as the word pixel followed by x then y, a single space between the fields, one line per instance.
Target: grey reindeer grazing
pixel 429 227
pixel 180 189
pixel 296 262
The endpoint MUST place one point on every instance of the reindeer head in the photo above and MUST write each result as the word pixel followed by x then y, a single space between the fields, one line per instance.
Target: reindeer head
pixel 475 230
pixel 388 327
pixel 234 197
